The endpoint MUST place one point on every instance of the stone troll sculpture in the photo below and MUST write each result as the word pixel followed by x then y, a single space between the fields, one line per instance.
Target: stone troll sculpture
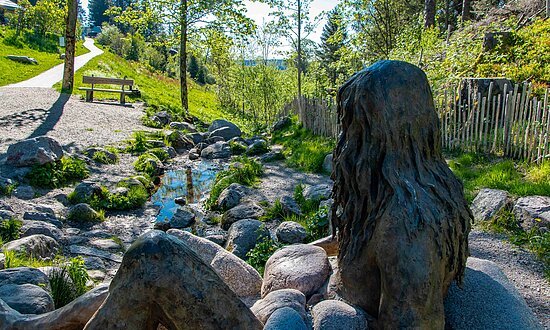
pixel 404 222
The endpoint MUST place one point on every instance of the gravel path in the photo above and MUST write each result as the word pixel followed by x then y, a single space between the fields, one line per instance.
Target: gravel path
pixel 31 112
pixel 520 266
pixel 54 75
pixel 279 180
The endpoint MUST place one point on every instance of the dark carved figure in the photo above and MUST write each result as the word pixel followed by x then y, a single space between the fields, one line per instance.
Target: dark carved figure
pixel 404 223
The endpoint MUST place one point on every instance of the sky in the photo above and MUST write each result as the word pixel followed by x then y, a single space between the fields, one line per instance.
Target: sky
pixel 260 12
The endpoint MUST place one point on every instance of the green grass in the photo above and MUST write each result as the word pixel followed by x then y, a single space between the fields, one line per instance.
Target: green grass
pixel 12 72
pixel 518 178
pixel 302 149
pixel 101 157
pixel 160 92
pixel 135 198
pixel 14 260
pixel 244 171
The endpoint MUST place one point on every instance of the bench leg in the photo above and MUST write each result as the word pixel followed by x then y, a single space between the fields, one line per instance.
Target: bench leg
pixel 122 98
pixel 89 96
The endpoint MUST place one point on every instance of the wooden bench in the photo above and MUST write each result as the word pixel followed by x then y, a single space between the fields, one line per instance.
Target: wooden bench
pixel 108 81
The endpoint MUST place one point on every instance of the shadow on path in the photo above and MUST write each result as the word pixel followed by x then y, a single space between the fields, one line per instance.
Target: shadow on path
pixel 52 117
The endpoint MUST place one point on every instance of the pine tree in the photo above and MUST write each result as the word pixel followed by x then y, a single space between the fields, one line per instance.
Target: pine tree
pixel 193 68
pixel 201 75
pixel 97 9
pixel 333 39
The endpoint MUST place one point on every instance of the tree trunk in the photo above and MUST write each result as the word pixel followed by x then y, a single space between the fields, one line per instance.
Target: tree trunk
pixel 183 57
pixel 299 54
pixel 466 10
pixel 429 13
pixel 70 43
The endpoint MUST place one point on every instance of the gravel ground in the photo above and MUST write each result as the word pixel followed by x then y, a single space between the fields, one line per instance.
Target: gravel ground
pixel 520 266
pixel 31 112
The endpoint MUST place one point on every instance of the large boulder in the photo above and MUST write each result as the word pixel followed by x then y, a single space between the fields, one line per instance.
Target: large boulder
pixel 24 275
pixel 219 123
pixel 318 192
pixel 488 203
pixel 161 118
pixel 242 278
pixel 217 150
pixel 290 232
pixel 230 196
pixel 27 298
pixel 240 212
pixel 72 316
pixel 36 246
pixel 327 163
pixel 285 318
pixel 36 151
pixel 181 141
pixel 487 300
pixel 533 211
pixel 83 213
pixel 183 218
pixel 169 284
pixel 301 267
pixel 291 298
pixel 85 191
pixel 244 235
pixel 31 227
pixel 257 147
pixel 281 123
pixel 227 133
pixel 336 315
pixel 183 126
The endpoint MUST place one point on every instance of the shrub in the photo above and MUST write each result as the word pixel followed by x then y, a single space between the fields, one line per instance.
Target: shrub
pixel 135 198
pixel 316 225
pixel 68 281
pixel 7 189
pixel 138 143
pixel 306 205
pixel 245 171
pixel 145 164
pixel 58 174
pixel 101 157
pixel 262 251
pixel 161 154
pixel 237 148
pixel 9 230
pixel 276 211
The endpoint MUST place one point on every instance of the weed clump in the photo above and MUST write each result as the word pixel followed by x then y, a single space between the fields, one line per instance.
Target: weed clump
pixel 244 171
pixel 9 230
pixel 262 251
pixel 59 173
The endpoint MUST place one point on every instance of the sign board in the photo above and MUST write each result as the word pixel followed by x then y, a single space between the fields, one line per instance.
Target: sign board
pixel 61 41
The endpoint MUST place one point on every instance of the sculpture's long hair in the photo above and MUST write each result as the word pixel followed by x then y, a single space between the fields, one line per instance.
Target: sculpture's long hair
pixel 389 166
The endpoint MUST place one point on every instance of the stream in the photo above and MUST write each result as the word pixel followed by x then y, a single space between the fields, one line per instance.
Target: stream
pixel 193 183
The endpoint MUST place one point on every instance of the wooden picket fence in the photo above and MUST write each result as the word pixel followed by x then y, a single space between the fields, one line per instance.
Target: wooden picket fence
pixel 513 124
pixel 319 116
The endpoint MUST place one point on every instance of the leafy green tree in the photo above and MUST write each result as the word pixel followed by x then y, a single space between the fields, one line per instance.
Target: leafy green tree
pixel 293 20
pixel 191 17
pixel 201 75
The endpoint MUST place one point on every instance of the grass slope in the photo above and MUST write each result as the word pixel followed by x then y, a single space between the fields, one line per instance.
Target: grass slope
pixel 12 72
pixel 518 178
pixel 157 90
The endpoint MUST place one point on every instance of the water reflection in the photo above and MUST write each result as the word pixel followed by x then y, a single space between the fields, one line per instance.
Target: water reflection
pixel 191 183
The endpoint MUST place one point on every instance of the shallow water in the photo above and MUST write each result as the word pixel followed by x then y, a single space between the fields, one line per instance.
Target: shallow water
pixel 193 183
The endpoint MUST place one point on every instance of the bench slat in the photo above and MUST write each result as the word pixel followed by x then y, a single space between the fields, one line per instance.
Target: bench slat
pixel 107 81
pixel 106 90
